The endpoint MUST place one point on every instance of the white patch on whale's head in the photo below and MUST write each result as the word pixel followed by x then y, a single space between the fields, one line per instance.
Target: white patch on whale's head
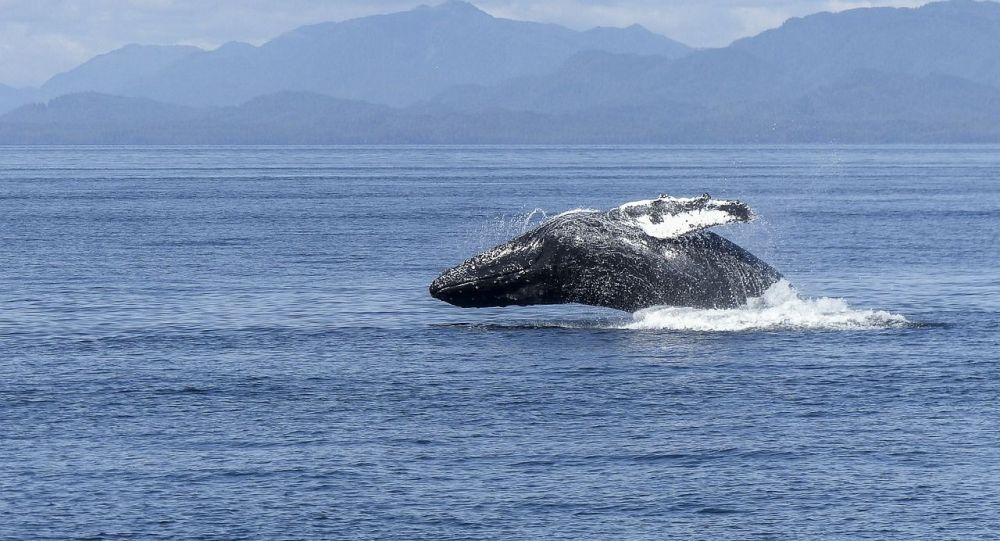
pixel 670 217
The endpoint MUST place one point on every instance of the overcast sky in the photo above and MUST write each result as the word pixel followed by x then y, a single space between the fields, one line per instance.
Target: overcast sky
pixel 39 38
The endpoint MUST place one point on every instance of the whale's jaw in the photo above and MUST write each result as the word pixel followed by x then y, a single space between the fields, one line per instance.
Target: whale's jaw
pixel 481 292
pixel 509 274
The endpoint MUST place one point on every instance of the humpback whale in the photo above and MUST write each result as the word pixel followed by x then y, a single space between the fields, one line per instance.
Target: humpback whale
pixel 640 254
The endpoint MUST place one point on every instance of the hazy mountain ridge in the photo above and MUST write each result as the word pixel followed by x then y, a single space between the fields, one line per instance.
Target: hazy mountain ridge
pixel 959 38
pixel 865 107
pixel 407 56
pixel 806 81
pixel 595 79
pixel 110 73
pixel 115 71
pixel 396 58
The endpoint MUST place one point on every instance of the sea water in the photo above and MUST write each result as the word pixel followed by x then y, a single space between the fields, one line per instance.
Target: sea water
pixel 238 343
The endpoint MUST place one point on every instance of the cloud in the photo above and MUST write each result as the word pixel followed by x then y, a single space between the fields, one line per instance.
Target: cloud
pixel 28 55
pixel 39 39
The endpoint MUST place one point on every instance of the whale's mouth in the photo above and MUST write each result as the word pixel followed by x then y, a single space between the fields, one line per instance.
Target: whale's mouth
pixel 441 285
pixel 498 289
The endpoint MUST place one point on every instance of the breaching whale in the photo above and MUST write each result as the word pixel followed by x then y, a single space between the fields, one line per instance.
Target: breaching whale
pixel 640 254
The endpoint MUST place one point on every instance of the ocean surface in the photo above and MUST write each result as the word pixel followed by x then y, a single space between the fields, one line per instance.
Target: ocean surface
pixel 238 343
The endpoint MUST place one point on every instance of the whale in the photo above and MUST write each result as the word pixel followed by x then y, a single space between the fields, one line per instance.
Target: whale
pixel 640 254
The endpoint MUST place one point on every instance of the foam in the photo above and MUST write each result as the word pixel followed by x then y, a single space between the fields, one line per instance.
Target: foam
pixel 779 308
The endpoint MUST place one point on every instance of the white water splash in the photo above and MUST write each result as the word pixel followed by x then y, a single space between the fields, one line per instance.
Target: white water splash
pixel 779 308
pixel 575 211
pixel 528 224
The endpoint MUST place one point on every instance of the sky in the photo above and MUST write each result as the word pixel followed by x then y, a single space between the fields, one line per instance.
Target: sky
pixel 39 38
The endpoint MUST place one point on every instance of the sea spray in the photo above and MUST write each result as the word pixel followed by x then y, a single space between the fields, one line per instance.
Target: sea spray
pixel 779 308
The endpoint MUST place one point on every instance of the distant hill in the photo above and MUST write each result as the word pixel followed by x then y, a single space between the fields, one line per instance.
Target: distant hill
pixel 394 59
pixel 116 71
pixel 960 38
pixel 865 107
pixel 110 73
pixel 91 118
pixel 588 79
pixel 595 79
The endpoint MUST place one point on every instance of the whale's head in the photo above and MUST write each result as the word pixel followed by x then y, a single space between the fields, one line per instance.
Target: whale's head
pixel 543 266
pixel 517 272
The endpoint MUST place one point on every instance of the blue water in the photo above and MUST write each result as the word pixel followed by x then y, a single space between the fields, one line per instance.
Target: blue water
pixel 237 343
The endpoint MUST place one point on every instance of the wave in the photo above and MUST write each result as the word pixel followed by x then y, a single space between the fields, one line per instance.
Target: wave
pixel 779 308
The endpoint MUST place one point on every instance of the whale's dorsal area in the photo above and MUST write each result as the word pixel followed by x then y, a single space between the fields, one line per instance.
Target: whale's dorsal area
pixel 640 254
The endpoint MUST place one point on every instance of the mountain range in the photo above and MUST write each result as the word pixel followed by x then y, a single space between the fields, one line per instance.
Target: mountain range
pixel 395 59
pixel 454 74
